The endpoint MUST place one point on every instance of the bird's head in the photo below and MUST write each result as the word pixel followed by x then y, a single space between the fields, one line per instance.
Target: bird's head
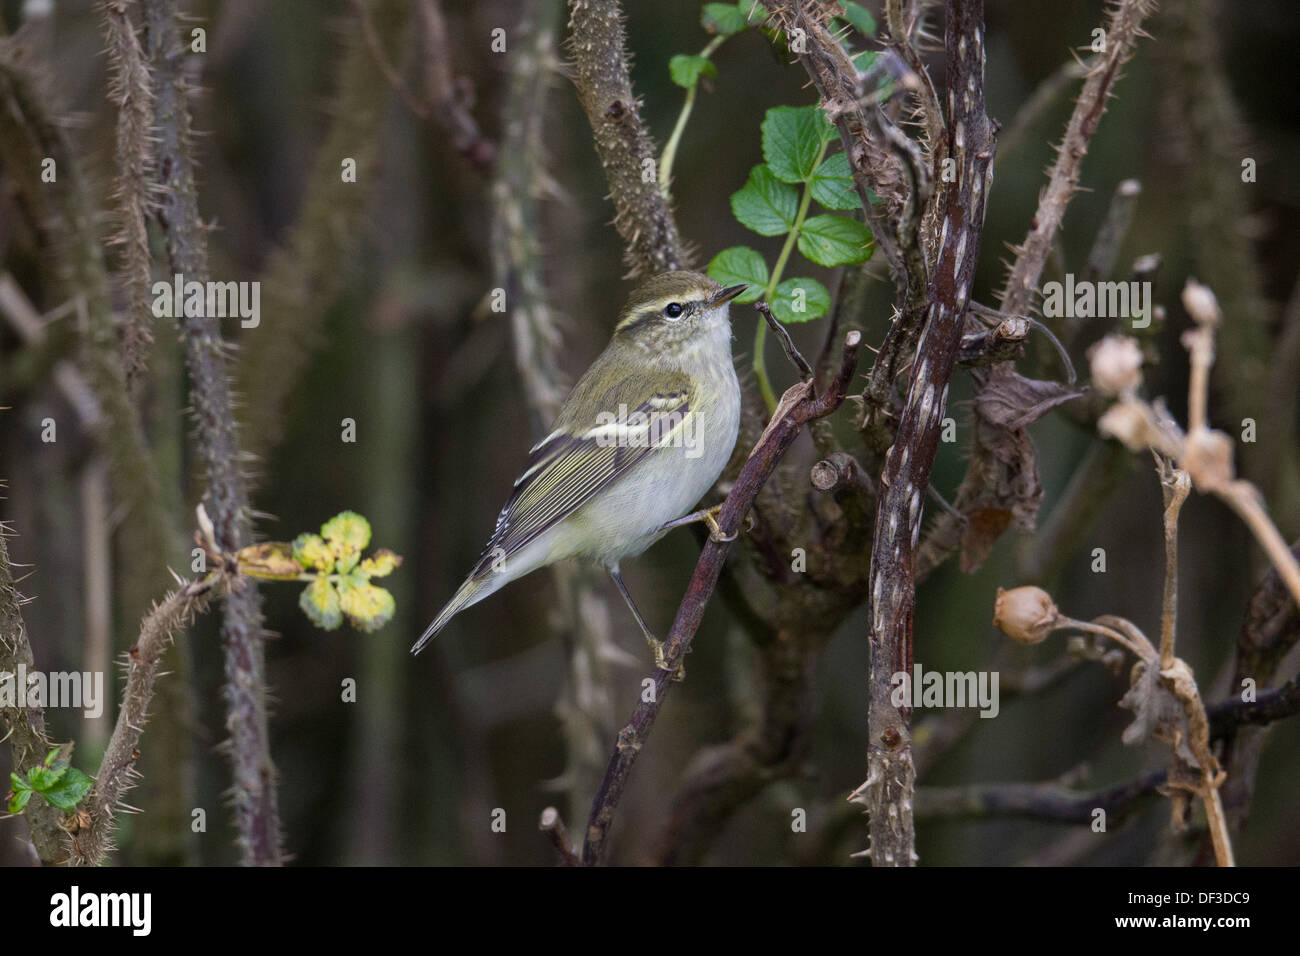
pixel 676 311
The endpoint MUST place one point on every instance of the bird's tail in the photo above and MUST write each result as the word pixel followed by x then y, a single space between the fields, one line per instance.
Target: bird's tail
pixel 475 589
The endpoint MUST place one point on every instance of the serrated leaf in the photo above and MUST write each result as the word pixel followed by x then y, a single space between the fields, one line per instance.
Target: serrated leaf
pixel 17 783
pixel 311 551
pixel 765 204
pixel 860 17
pixel 724 19
pixel 70 789
pixel 800 300
pixel 272 560
pixel 347 528
pixel 19 800
pixel 686 69
pixel 43 778
pixel 368 608
pixel 832 184
pixel 740 264
pixel 380 564
pixel 320 602
pixel 835 240
pixel 793 136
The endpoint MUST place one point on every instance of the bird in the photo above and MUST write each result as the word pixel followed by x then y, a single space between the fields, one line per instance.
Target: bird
pixel 641 438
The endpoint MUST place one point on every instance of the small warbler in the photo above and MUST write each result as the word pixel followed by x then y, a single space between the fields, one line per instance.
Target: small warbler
pixel 641 438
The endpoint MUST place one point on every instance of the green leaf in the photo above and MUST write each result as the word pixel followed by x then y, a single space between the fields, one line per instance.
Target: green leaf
pixel 863 59
pixel 311 551
pixel 43 778
pixel 800 300
pixel 832 184
pixel 67 793
pixel 347 528
pixel 835 240
pixel 17 783
pixel 368 607
pixel 685 70
pixel 861 19
pixel 348 534
pixel 320 602
pixel 380 564
pixel 765 204
pixel 19 800
pixel 740 264
pixel 724 19
pixel 792 138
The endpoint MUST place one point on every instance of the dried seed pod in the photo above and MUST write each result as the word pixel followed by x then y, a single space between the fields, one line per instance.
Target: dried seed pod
pixel 1025 614
pixel 1116 364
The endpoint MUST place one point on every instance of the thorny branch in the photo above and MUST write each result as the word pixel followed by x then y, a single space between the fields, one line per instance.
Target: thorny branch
pixel 600 72
pixel 257 813
pixel 25 726
pixel 887 792
pixel 129 89
pixel 92 840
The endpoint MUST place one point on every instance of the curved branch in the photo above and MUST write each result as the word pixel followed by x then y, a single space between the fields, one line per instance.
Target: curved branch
pixel 798 406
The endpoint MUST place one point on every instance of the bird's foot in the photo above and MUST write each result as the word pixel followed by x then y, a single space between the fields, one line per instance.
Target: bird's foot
pixel 661 660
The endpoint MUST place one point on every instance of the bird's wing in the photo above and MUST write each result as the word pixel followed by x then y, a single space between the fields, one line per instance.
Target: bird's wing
pixel 580 458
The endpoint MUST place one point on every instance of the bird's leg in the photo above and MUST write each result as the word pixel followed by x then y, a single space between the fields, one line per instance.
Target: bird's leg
pixel 710 517
pixel 655 644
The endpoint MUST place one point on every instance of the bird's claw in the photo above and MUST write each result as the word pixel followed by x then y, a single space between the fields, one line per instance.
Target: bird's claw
pixel 661 661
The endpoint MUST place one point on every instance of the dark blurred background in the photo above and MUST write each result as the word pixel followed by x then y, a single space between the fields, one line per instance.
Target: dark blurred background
pixel 411 772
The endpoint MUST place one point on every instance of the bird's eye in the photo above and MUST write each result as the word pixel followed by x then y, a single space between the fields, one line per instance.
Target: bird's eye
pixel 674 310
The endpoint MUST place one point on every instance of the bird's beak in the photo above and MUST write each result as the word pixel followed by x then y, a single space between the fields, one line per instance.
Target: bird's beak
pixel 727 294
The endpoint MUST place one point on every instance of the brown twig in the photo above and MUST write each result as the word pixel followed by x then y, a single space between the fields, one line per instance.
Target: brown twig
pixel 783 336
pixel 1041 801
pixel 1175 486
pixel 553 826
pixel 117 770
pixel 798 406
